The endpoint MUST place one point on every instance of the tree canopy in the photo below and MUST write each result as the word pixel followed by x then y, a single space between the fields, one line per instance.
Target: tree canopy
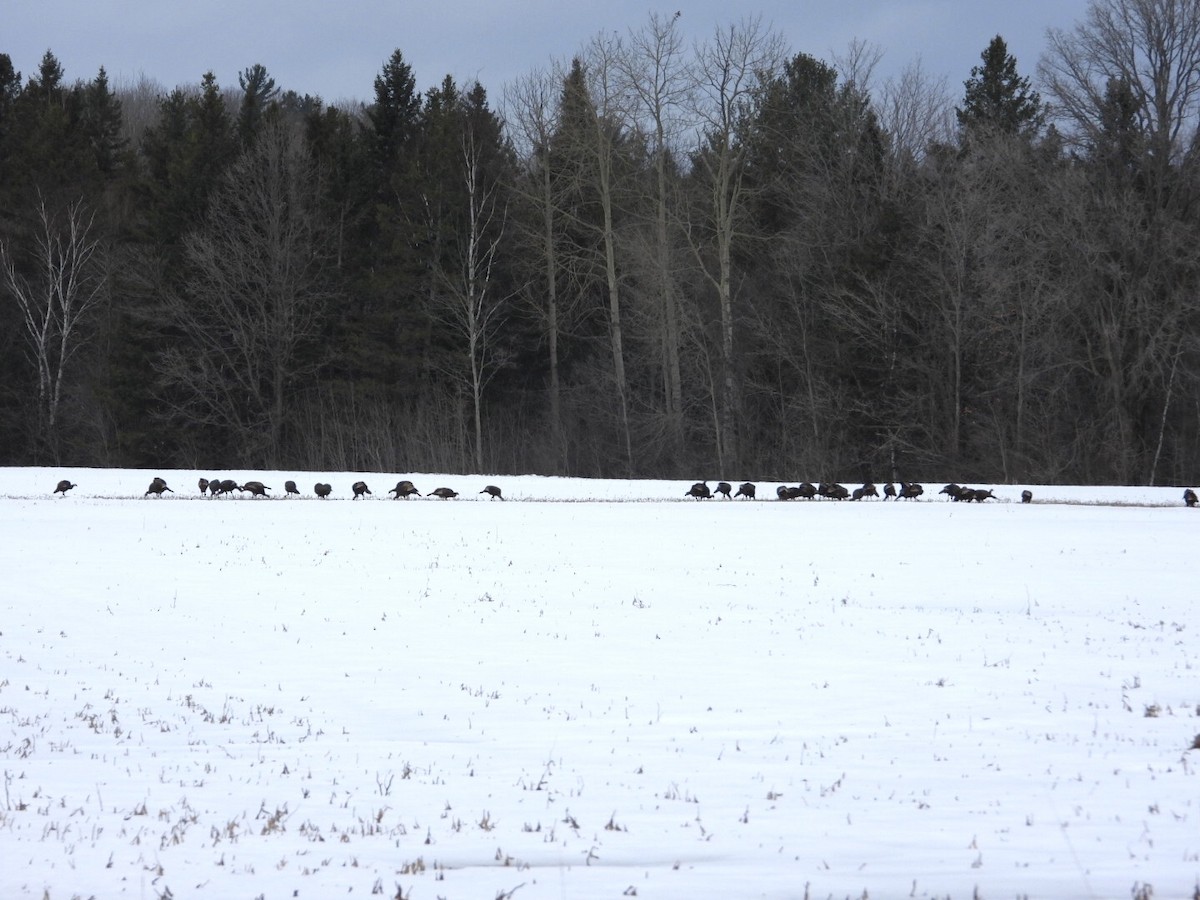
pixel 727 260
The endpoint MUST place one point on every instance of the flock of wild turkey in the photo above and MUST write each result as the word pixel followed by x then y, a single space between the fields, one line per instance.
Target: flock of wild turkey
pixel 908 490
pixel 218 487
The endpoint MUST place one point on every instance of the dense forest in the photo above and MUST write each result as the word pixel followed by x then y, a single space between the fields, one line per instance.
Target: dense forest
pixel 655 260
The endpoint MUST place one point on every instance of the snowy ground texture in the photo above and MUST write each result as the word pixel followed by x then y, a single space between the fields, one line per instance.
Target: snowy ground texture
pixel 594 689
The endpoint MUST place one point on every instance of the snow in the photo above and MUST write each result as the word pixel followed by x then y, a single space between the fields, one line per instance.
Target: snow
pixel 593 689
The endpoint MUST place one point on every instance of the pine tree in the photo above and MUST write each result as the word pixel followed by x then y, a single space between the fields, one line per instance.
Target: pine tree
pixel 395 114
pixel 998 99
pixel 259 93
pixel 102 125
pixel 186 153
pixel 10 91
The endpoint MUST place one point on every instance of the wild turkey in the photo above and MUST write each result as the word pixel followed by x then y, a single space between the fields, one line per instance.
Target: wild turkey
pixel 805 490
pixel 833 491
pixel 724 488
pixel 360 488
pixel 1026 496
pixel 445 493
pixel 256 488
pixel 889 491
pixel 63 487
pixel 322 490
pixel 783 492
pixel 493 492
pixel 978 495
pixel 157 486
pixel 910 490
pixel 1189 497
pixel 228 486
pixel 952 490
pixel 203 485
pixel 289 487
pixel 747 490
pixel 214 486
pixel 867 490
pixel 699 490
pixel 404 489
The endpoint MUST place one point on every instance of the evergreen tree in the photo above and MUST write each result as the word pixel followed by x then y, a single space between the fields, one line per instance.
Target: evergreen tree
pixel 340 153
pixel 998 99
pixel 382 337
pixel 10 91
pixel 258 94
pixel 1120 146
pixel 185 153
pixel 395 115
pixel 102 125
pixel 50 150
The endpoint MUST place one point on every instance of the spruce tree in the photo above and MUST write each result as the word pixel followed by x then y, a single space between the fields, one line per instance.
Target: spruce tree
pixel 998 99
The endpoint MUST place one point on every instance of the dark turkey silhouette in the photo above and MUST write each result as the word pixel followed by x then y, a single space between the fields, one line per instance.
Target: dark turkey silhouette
pixel 889 491
pixel 833 491
pixel 804 490
pixel 157 486
pixel 445 493
pixel 1189 497
pixel 909 490
pixel 289 487
pixel 228 486
pixel 322 490
pixel 203 485
pixel 783 492
pixel 404 489
pixel 1026 496
pixel 952 490
pixel 867 490
pixel 699 490
pixel 214 486
pixel 63 487
pixel 724 488
pixel 976 495
pixel 493 492
pixel 360 488
pixel 256 488
pixel 747 490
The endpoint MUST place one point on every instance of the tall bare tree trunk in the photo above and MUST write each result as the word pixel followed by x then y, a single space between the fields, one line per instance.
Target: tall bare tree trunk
pixel 532 117
pixel 659 86
pixel 610 114
pixel 729 76
pixel 69 282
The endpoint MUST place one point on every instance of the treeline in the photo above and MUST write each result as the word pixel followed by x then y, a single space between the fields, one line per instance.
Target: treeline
pixel 657 261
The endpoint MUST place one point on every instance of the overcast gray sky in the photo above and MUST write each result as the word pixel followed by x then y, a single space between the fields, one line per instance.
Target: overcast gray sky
pixel 335 50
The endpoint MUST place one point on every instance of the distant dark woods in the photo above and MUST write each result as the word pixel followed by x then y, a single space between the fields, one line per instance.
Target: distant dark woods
pixel 657 260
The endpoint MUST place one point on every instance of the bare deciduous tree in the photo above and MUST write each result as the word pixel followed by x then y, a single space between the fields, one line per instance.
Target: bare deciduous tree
pixel 533 119
pixel 659 85
pixel 1151 46
pixel 62 279
pixel 247 323
pixel 729 72
pixel 916 112
pixel 610 119
pixel 1126 84
pixel 467 301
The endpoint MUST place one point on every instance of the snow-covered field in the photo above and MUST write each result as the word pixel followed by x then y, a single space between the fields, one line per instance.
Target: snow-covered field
pixel 632 694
